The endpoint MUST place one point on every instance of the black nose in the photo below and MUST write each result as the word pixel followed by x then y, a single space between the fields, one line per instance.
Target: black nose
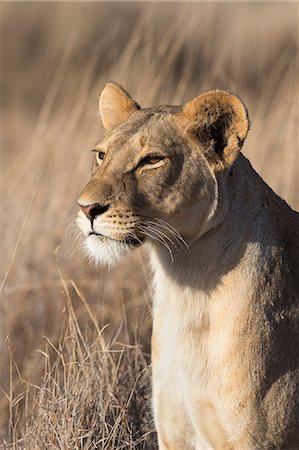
pixel 92 211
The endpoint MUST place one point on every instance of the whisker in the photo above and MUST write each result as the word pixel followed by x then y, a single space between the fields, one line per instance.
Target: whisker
pixel 69 220
pixel 152 228
pixel 170 227
pixel 158 239
pixel 72 228
pixel 157 233
pixel 76 245
pixel 160 222
pixel 179 241
pixel 155 238
pixel 134 236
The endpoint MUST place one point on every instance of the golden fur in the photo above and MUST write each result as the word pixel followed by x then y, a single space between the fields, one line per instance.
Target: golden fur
pixel 224 254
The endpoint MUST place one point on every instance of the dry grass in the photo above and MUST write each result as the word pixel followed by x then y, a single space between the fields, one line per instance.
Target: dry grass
pixel 93 393
pixel 83 389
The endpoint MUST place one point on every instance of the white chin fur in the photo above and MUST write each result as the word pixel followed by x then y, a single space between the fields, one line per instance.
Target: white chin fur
pixel 104 251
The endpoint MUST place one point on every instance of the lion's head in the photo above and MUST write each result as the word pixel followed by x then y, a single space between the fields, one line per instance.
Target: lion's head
pixel 156 172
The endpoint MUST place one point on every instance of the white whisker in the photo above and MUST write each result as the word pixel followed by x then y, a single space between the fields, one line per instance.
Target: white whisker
pixel 159 239
pixel 134 236
pixel 160 233
pixel 174 233
pixel 171 228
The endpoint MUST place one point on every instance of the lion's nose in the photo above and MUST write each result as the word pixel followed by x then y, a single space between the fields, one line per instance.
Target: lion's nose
pixel 92 211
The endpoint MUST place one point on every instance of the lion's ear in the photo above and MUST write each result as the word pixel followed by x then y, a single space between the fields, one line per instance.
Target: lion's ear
pixel 115 105
pixel 219 121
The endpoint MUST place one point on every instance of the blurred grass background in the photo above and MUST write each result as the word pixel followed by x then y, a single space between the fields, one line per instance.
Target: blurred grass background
pixel 55 59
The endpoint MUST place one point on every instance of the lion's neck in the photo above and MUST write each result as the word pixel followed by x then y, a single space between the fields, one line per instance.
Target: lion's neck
pixel 223 247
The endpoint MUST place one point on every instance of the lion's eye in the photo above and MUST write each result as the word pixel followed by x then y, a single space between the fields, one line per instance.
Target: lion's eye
pixel 151 160
pixel 100 156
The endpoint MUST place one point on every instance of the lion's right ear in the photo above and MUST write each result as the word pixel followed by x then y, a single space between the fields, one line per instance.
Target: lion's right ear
pixel 116 105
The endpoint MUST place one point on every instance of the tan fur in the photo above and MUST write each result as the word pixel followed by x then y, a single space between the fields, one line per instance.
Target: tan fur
pixel 115 105
pixel 211 427
pixel 224 255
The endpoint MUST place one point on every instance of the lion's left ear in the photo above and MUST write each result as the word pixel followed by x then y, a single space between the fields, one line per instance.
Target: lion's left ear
pixel 116 105
pixel 219 120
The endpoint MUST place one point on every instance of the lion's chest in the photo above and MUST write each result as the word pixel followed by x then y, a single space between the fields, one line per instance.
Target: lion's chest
pixel 194 350
pixel 188 341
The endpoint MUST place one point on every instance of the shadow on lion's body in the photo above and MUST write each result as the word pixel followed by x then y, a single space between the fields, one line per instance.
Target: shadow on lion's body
pixel 225 344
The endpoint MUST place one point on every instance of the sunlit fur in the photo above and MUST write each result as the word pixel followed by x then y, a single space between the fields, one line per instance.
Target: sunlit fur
pixel 224 257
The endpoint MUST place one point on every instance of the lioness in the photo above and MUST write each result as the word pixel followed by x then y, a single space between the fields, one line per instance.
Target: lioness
pixel 224 253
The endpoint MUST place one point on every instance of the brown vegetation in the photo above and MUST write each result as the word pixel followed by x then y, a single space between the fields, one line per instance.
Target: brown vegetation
pixel 74 372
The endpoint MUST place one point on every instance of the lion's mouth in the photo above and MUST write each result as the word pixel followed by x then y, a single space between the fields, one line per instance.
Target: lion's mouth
pixel 130 240
pixel 91 233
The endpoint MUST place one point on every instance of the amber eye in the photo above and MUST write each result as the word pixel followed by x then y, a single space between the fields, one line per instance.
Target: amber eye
pixel 151 160
pixel 100 156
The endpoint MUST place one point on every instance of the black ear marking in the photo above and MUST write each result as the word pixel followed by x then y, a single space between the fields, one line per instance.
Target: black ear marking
pixel 217 135
pixel 213 136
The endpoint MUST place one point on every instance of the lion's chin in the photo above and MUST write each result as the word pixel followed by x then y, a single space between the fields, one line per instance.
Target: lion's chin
pixel 104 251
